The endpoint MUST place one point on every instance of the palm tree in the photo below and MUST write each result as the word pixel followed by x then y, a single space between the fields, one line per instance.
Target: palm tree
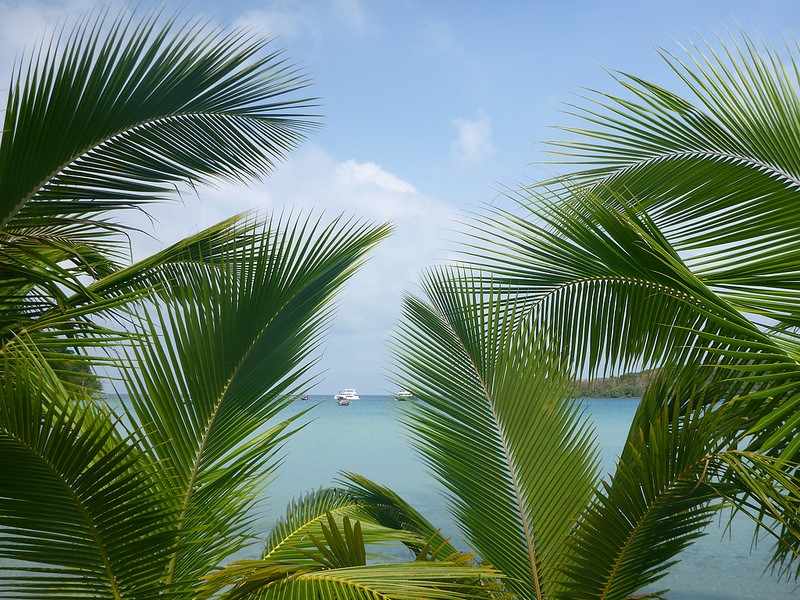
pixel 672 245
pixel 210 338
pixel 110 117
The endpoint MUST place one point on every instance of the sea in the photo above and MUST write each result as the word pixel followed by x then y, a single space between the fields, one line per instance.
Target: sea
pixel 366 438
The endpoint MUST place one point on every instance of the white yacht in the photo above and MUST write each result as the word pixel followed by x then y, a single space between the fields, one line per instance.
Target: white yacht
pixel 346 394
pixel 403 395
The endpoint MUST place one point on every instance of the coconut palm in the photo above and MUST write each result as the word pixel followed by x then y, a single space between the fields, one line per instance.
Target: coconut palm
pixel 672 245
pixel 209 338
pixel 144 498
pixel 110 117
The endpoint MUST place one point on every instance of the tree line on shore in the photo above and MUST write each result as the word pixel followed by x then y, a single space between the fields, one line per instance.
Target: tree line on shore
pixel 627 385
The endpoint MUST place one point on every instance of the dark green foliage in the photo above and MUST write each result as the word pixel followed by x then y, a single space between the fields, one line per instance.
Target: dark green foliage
pixel 629 385
pixel 670 255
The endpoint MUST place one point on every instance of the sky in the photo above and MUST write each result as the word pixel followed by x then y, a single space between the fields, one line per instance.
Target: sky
pixel 431 108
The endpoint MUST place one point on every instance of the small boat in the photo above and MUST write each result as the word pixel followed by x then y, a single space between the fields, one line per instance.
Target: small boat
pixel 304 397
pixel 346 394
pixel 342 401
pixel 403 395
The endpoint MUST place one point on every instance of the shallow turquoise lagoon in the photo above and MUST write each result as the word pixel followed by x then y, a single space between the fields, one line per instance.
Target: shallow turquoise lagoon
pixel 365 438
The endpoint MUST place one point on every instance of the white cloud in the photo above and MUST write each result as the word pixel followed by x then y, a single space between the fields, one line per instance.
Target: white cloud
pixel 370 305
pixel 474 142
pixel 292 19
pixel 350 12
pixel 25 23
pixel 353 173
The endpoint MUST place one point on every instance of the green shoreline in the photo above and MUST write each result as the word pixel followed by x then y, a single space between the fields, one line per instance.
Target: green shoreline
pixel 629 385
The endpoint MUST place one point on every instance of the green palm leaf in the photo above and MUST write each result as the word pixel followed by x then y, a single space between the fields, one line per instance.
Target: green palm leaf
pixel 494 425
pixel 218 362
pixel 320 545
pixel 386 508
pixel 657 502
pixel 609 282
pixel 110 116
pixel 79 505
pixel 128 108
pixel 292 539
pixel 289 542
pixel 609 286
pixel 196 409
pixel 384 517
pixel 401 581
pixel 718 176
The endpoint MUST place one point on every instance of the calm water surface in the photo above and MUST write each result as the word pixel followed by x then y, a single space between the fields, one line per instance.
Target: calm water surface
pixel 365 438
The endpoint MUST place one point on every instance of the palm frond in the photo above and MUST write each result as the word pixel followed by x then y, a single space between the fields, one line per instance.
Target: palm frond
pixel 79 505
pixel 495 424
pixel 609 283
pixel 222 354
pixel 390 510
pixel 657 502
pixel 321 544
pixel 302 515
pixel 112 115
pixel 719 175
pixel 339 549
pixel 130 107
pixel 292 539
pixel 746 104
pixel 401 581
pixel 605 280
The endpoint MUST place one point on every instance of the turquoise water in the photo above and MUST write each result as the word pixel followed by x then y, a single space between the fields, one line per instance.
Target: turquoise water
pixel 364 438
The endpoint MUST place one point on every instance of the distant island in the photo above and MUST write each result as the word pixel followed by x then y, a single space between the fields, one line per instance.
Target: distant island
pixel 629 385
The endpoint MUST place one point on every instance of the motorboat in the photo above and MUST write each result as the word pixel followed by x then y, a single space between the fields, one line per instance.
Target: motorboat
pixel 346 394
pixel 403 395
pixel 342 401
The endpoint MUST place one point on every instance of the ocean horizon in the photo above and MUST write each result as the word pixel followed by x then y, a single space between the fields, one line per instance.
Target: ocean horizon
pixel 364 437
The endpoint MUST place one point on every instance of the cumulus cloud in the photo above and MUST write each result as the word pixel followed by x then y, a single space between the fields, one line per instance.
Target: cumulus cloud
pixel 312 180
pixel 474 142
pixel 353 173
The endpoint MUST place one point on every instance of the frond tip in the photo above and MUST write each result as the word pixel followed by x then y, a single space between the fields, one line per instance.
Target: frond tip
pixel 186 103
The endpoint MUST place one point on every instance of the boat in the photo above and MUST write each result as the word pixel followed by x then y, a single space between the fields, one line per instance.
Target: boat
pixel 304 397
pixel 403 395
pixel 342 401
pixel 346 394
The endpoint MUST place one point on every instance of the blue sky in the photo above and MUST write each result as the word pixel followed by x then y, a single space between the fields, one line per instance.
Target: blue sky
pixel 430 107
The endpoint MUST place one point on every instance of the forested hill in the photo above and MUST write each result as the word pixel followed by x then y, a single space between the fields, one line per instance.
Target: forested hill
pixel 630 385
